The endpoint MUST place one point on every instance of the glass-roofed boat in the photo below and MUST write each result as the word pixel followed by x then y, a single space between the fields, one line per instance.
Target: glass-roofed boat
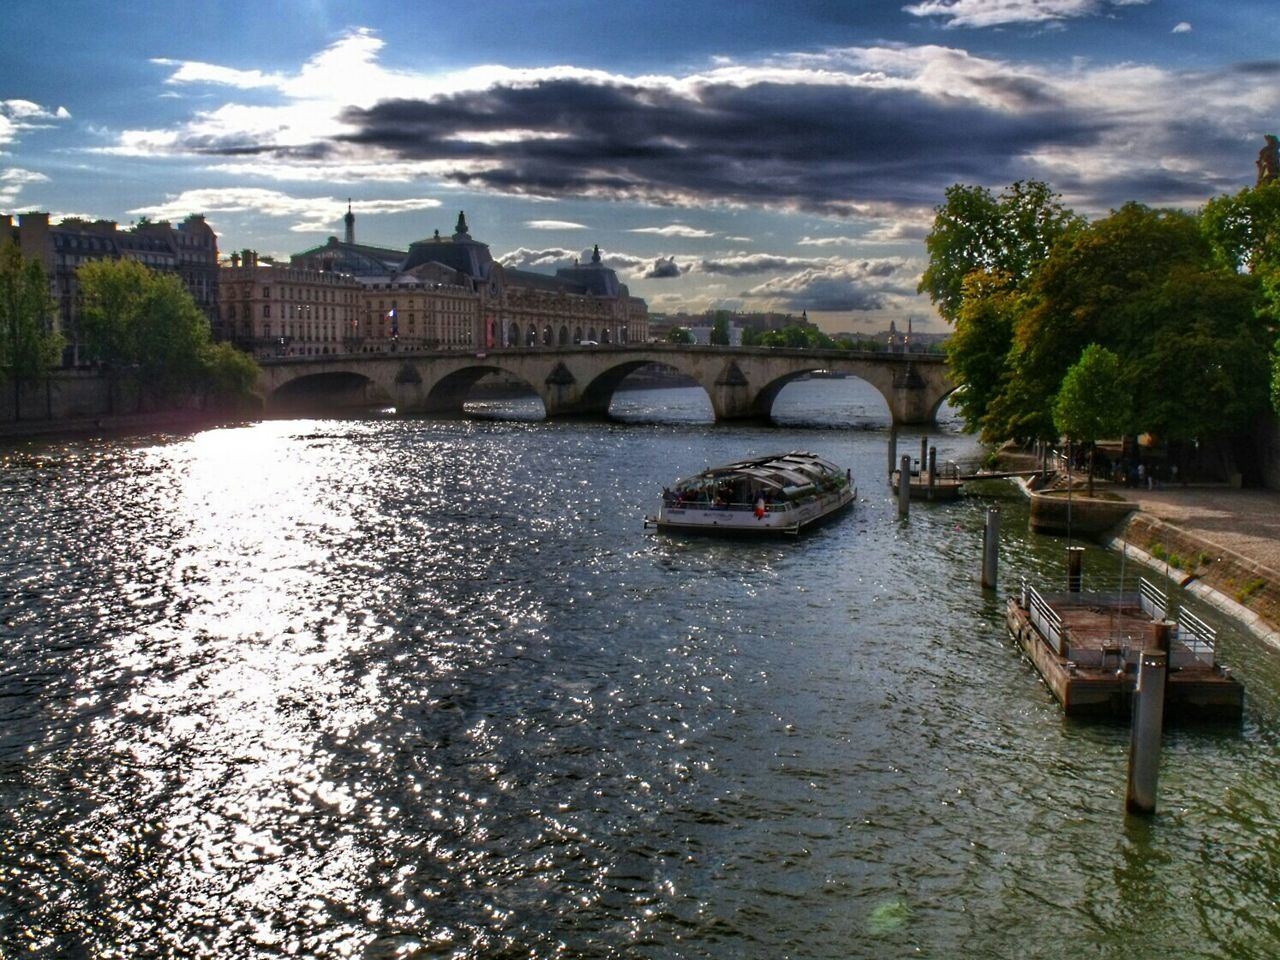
pixel 781 493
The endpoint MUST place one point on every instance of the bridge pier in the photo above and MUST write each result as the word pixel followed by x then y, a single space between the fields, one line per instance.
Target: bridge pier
pixel 741 383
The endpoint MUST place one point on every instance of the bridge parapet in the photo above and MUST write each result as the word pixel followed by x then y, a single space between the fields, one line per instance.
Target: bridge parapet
pixel 741 382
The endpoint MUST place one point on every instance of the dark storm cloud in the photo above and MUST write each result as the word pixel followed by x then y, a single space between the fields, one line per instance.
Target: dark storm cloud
pixel 664 268
pixel 840 294
pixel 741 266
pixel 823 148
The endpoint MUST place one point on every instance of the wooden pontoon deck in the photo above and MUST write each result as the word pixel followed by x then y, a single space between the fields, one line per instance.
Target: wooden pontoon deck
pixel 1086 647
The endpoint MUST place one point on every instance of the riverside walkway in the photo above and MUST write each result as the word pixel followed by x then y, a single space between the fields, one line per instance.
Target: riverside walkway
pixel 1238 529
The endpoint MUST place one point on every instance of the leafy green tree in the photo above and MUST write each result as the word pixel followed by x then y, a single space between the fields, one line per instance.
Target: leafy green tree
pixel 1244 231
pixel 1110 284
pixel 973 230
pixel 720 328
pixel 978 352
pixel 144 323
pixel 1092 402
pixel 680 335
pixel 29 347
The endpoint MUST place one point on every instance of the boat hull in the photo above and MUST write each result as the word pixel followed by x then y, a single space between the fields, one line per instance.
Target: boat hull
pixel 729 522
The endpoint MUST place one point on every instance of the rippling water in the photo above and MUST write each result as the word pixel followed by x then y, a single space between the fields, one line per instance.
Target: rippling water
pixel 390 688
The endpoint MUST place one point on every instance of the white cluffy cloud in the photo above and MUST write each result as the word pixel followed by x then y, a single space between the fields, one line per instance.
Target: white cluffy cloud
pixel 554 225
pixel 675 230
pixel 317 214
pixel 993 13
pixel 19 115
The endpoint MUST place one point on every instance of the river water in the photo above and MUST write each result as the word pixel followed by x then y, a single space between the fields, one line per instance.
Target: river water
pixel 400 687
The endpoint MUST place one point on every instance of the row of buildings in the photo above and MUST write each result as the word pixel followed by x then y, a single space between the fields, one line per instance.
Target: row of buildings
pixel 443 293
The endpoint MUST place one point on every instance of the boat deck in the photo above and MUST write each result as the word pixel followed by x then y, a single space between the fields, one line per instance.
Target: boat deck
pixel 1086 647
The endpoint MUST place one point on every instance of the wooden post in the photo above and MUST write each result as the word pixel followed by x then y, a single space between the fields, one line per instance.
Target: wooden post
pixel 933 468
pixel 924 453
pixel 1075 565
pixel 991 548
pixel 1161 632
pixel 1144 744
pixel 893 447
pixel 904 486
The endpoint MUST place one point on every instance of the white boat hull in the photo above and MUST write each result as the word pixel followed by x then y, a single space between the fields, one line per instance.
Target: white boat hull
pixel 793 519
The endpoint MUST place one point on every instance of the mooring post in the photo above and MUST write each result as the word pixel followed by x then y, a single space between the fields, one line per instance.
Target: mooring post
pixel 991 548
pixel 933 468
pixel 1144 744
pixel 924 452
pixel 904 485
pixel 893 447
pixel 1075 565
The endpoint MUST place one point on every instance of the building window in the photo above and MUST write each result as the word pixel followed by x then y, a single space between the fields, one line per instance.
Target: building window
pixel 266 309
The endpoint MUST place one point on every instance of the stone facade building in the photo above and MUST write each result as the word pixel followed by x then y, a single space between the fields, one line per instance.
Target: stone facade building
pixel 270 309
pixel 189 249
pixel 449 293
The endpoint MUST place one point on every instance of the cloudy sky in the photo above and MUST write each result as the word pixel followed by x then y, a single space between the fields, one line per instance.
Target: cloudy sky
pixel 754 155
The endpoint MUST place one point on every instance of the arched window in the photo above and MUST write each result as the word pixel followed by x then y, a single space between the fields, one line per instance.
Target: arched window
pixel 513 335
pixel 564 336
pixel 591 335
pixel 546 335
pixel 577 334
pixel 531 338
pixel 604 335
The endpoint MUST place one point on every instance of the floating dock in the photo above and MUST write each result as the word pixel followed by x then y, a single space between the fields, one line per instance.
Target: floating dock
pixel 942 484
pixel 1087 645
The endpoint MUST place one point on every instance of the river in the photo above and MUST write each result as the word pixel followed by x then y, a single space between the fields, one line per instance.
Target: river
pixel 387 687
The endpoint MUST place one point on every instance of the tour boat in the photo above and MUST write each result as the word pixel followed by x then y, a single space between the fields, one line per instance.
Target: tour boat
pixel 783 493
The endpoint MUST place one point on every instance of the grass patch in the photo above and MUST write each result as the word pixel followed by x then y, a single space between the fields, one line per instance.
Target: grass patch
pixel 1249 589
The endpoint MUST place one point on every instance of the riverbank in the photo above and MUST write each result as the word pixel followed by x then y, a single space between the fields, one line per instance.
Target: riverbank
pixel 1220 542
pixel 159 420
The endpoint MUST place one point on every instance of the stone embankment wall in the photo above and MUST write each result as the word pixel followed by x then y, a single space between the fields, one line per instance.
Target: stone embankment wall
pixel 72 401
pixel 1235 584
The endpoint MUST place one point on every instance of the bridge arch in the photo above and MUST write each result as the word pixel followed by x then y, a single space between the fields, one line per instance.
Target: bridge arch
pixel 742 382
pixel 330 389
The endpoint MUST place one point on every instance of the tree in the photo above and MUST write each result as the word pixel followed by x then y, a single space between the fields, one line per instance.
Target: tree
pixel 1244 231
pixel 680 335
pixel 973 230
pixel 1092 402
pixel 720 328
pixel 29 346
pixel 1108 283
pixel 144 323
pixel 978 352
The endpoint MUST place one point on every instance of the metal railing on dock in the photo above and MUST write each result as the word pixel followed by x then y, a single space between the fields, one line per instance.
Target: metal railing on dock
pixel 1043 617
pixel 1193 643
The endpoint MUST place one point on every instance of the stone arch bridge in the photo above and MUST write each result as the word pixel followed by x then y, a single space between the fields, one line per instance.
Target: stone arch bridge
pixel 742 382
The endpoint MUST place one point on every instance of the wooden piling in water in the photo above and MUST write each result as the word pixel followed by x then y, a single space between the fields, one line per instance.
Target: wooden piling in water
pixel 904 486
pixel 1075 568
pixel 990 548
pixel 1148 723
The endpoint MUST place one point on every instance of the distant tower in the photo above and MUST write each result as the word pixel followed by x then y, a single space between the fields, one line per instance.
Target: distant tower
pixel 350 221
pixel 1269 160
pixel 595 254
pixel 460 231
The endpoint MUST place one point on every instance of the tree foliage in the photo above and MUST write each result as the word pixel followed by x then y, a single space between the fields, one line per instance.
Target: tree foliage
pixel 29 346
pixel 145 323
pixel 973 230
pixel 680 335
pixel 1093 402
pixel 720 329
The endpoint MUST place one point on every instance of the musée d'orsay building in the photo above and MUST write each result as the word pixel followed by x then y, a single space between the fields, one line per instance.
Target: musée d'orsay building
pixel 440 294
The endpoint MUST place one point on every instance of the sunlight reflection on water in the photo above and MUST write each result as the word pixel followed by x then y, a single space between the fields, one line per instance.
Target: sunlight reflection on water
pixel 386 687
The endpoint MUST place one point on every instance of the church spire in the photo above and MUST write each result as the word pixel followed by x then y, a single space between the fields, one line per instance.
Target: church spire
pixel 350 221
